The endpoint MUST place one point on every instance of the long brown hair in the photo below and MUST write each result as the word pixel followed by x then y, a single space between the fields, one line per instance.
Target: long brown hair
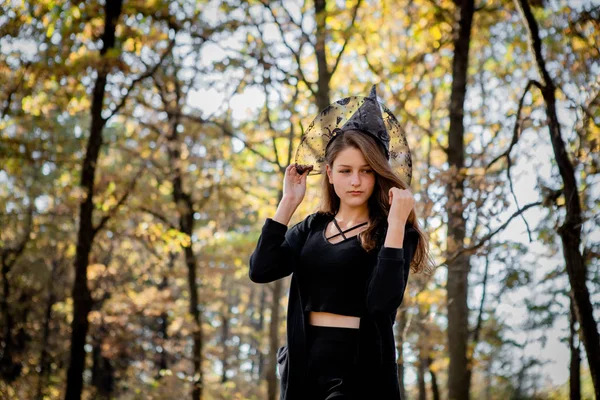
pixel 378 203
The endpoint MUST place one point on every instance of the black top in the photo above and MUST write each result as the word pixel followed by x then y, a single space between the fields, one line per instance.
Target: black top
pixel 336 274
pixel 340 278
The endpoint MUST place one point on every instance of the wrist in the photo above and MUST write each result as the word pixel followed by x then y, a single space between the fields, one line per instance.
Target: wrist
pixel 394 237
pixel 289 203
pixel 285 210
pixel 396 225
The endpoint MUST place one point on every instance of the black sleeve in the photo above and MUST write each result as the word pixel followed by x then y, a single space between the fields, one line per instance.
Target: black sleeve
pixel 277 251
pixel 390 275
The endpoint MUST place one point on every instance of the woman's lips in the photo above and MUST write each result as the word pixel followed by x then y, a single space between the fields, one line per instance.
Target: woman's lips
pixel 355 193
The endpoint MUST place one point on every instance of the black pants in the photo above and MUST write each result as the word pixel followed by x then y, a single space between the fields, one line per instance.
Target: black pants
pixel 332 359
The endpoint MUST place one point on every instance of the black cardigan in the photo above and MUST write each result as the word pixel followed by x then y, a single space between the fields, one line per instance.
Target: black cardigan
pixel 275 257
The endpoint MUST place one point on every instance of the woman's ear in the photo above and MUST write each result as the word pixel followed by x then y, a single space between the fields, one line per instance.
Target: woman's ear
pixel 328 173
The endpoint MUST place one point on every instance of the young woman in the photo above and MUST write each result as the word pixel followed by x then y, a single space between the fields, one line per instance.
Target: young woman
pixel 349 260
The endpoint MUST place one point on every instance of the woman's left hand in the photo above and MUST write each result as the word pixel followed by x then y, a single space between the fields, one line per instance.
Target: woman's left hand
pixel 401 204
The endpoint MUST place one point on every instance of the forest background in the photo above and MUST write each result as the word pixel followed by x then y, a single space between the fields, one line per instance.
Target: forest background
pixel 143 144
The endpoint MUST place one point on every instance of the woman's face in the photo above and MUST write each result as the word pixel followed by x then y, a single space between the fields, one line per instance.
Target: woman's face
pixel 350 173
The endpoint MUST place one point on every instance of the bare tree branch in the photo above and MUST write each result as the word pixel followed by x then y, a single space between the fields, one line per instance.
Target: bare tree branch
pixel 347 35
pixel 126 194
pixel 517 127
pixel 105 218
pixel 149 72
pixel 515 139
pixel 227 131
pixel 477 329
pixel 159 216
pixel 483 240
pixel 295 54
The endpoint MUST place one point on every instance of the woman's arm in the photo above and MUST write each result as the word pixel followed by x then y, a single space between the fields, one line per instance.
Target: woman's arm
pixel 278 248
pixel 390 275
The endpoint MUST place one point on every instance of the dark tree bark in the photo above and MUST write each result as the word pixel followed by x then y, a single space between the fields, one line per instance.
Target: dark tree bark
pixel 44 356
pixel 575 364
pixel 103 370
pixel 401 324
pixel 321 54
pixel 435 390
pixel 82 300
pixel 570 231
pixel 421 371
pixel 186 209
pixel 259 328
pixel 325 70
pixel 25 306
pixel 252 322
pixel 9 369
pixel 225 319
pixel 272 384
pixel 458 270
pixel 422 352
pixel 163 322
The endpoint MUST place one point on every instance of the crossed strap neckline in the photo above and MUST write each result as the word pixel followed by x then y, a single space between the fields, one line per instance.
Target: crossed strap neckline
pixel 347 230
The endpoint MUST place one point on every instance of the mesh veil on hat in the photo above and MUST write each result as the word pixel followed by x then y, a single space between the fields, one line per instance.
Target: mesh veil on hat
pixel 360 113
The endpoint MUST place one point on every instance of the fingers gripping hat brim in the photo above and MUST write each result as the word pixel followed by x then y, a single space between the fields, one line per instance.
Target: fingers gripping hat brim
pixel 313 144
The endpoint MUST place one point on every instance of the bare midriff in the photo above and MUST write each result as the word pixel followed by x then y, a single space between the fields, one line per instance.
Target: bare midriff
pixel 321 318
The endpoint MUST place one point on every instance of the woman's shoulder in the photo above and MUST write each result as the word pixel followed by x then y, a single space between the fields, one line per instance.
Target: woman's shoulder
pixel 311 221
pixel 317 218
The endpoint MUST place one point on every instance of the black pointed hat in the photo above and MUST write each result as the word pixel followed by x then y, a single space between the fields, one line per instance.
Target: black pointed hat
pixel 364 114
pixel 368 119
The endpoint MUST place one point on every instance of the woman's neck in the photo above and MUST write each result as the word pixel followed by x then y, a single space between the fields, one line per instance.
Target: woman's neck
pixel 352 216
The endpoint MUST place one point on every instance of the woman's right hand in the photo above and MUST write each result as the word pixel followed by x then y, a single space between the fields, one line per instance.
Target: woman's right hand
pixel 294 184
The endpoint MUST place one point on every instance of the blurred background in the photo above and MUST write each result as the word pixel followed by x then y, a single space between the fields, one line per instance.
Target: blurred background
pixel 143 145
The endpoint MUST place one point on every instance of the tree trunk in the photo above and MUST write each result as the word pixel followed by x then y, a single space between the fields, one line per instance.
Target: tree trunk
pixel 260 327
pixel 82 301
pixel 400 348
pixel 458 270
pixel 103 371
pixel 9 370
pixel 163 332
pixel 163 364
pixel 252 322
pixel 435 391
pixel 185 207
pixel 272 386
pixel 44 361
pixel 225 319
pixel 421 370
pixel 321 54
pixel 570 231
pixel 575 364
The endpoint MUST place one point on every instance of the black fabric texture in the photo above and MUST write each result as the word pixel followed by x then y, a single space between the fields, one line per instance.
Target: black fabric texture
pixel 332 360
pixel 335 274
